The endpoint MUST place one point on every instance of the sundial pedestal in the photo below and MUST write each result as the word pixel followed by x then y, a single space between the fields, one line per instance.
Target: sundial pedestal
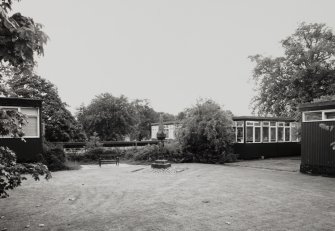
pixel 161 164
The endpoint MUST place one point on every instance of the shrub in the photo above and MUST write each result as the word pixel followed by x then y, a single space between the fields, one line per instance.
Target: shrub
pixel 10 171
pixel 206 132
pixel 171 151
pixel 54 158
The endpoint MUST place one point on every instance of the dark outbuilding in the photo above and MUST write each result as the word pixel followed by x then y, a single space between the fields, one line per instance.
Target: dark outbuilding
pixel 317 136
pixel 257 137
pixel 30 148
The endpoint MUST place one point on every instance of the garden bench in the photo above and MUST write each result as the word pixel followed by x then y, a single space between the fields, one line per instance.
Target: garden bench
pixel 107 158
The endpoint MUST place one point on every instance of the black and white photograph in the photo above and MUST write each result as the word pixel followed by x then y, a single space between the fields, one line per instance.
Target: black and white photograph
pixel 167 115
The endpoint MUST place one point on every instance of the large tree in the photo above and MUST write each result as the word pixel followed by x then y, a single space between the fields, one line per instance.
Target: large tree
pixel 20 39
pixel 144 115
pixel 306 71
pixel 113 118
pixel 60 125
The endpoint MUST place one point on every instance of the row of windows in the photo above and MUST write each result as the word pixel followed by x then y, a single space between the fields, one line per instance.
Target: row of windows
pixel 311 116
pixel 266 131
pixel 31 128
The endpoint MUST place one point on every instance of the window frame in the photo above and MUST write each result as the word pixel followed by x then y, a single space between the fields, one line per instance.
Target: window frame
pixel 38 121
pixel 323 115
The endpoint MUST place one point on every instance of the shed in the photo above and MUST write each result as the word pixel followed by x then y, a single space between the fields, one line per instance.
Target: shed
pixel 29 149
pixel 317 136
pixel 265 136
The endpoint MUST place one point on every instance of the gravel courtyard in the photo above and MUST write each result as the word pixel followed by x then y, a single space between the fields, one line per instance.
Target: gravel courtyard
pixel 250 195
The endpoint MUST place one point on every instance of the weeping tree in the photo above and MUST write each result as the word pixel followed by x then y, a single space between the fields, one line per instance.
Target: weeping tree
pixel 206 132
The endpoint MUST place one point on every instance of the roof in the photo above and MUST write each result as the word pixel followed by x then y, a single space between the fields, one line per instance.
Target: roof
pixel 11 101
pixel 166 123
pixel 259 118
pixel 317 106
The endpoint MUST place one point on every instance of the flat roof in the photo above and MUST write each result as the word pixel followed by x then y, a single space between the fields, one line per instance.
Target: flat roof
pixel 166 123
pixel 12 101
pixel 260 118
pixel 317 106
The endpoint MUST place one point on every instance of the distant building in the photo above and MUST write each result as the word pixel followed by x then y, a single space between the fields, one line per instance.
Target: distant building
pixel 170 128
pixel 29 149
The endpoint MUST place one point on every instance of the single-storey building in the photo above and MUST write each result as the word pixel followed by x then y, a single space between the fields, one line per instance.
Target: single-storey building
pixel 265 137
pixel 318 137
pixel 30 148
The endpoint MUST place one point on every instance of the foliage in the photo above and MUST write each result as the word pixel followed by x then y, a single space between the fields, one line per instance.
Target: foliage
pixel 53 157
pixel 170 151
pixel 206 132
pixel 21 38
pixel 324 98
pixel 145 115
pixel 60 125
pixel 113 118
pixel 93 154
pixel 11 122
pixel 10 171
pixel 305 72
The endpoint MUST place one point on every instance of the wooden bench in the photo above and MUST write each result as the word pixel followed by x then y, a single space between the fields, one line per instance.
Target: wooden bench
pixel 108 158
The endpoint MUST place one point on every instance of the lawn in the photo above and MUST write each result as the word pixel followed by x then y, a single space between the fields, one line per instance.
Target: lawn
pixel 252 195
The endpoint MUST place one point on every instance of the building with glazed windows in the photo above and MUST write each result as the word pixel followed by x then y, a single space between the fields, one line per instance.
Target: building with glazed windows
pixel 265 136
pixel 170 128
pixel 318 137
pixel 29 148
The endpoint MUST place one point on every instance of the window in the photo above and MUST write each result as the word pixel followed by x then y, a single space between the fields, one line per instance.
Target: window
pixel 273 132
pixel 312 116
pixel 287 130
pixel 294 132
pixel 330 115
pixel 250 134
pixel 31 128
pixel 280 132
pixel 239 131
pixel 265 131
pixel 253 132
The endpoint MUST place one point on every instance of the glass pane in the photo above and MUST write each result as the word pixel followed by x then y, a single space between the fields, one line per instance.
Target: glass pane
pixel 280 134
pixel 287 134
pixel 272 123
pixel 31 128
pixel 257 123
pixel 240 135
pixel 239 123
pixel 250 123
pixel 250 134
pixel 9 109
pixel 29 111
pixel 273 134
pixel 287 123
pixel 266 123
pixel 265 134
pixel 330 115
pixel 310 116
pixel 294 132
pixel 257 134
pixel 281 124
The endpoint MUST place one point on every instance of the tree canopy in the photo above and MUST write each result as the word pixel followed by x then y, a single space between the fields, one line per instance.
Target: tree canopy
pixel 20 39
pixel 306 71
pixel 113 118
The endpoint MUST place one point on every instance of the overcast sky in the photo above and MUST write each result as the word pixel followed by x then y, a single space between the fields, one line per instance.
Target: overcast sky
pixel 170 52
